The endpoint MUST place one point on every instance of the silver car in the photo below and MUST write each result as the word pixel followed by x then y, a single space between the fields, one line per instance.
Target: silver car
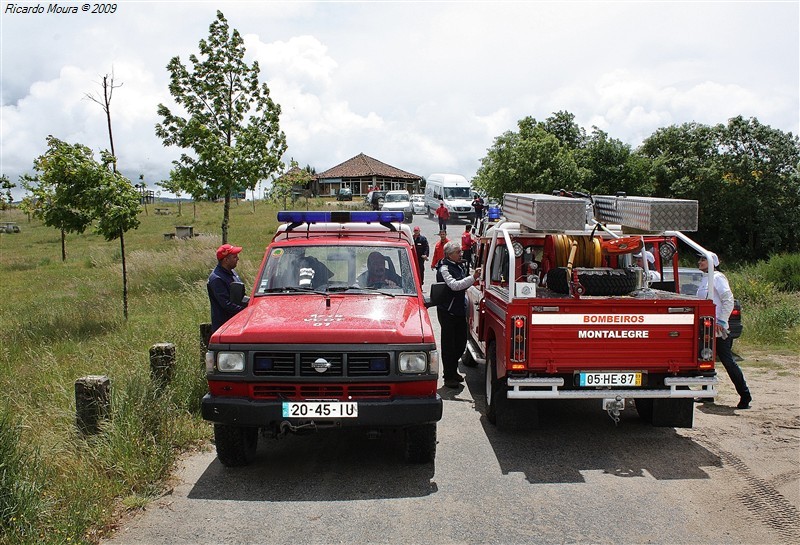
pixel 418 202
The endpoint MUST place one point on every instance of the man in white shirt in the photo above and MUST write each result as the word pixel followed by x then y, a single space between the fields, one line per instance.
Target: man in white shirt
pixel 723 299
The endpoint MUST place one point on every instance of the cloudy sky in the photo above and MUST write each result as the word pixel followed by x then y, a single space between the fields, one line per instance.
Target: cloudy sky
pixel 423 86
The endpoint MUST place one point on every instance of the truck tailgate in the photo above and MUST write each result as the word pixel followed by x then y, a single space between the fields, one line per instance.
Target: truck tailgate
pixel 601 333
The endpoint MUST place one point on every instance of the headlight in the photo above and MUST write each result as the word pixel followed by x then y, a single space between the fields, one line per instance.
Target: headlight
pixel 413 362
pixel 230 362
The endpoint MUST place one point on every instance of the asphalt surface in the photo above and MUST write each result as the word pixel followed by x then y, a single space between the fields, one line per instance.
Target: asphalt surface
pixel 577 478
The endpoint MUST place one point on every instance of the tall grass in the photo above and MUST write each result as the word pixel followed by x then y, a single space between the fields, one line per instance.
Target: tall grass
pixel 63 320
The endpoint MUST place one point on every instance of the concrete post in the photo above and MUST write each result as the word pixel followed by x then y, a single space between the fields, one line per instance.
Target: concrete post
pixel 162 363
pixel 92 402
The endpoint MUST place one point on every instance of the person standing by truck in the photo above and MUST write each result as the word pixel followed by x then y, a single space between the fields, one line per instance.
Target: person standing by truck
pixel 443 214
pixel 723 300
pixel 438 249
pixel 467 244
pixel 452 312
pixel 422 250
pixel 219 286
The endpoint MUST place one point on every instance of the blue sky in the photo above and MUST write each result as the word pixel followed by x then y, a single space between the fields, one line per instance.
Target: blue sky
pixel 423 86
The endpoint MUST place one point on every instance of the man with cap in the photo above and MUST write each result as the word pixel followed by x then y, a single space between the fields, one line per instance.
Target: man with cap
pixel 219 286
pixel 723 300
pixel 422 249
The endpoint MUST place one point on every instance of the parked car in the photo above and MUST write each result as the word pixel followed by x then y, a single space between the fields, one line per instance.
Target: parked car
pixel 375 199
pixel 418 202
pixel 399 200
pixel 690 279
pixel 344 194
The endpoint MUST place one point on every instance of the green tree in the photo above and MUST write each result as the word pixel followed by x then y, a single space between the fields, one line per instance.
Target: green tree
pixel 232 125
pixel 173 185
pixel 74 190
pixel 7 185
pixel 531 160
pixel 62 169
pixel 744 176
pixel 608 165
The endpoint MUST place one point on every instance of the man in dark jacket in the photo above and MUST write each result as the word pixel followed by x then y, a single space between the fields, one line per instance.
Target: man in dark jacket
pixel 422 250
pixel 219 286
pixel 452 312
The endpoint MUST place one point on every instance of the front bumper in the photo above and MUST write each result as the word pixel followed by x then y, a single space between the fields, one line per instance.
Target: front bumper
pixel 400 412
pixel 548 388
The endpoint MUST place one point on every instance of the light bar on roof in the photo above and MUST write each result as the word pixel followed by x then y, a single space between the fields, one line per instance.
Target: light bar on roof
pixel 320 216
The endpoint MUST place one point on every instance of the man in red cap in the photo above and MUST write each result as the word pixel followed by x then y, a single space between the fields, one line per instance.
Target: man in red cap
pixel 219 286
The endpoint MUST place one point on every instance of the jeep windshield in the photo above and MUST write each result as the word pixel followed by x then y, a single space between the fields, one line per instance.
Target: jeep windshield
pixel 341 268
pixel 397 197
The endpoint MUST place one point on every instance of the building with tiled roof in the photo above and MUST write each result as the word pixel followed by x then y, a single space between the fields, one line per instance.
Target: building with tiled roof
pixel 362 173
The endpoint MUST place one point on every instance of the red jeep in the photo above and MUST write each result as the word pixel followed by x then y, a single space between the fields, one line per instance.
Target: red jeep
pixel 323 343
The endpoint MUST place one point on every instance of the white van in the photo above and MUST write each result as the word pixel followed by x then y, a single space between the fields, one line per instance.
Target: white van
pixel 454 190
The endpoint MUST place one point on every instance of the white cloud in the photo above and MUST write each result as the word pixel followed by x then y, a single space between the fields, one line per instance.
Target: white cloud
pixel 422 86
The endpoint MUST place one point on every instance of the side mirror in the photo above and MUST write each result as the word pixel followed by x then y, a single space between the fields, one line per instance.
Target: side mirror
pixel 237 292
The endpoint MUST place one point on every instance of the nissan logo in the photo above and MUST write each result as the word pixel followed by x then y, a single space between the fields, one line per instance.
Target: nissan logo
pixel 321 365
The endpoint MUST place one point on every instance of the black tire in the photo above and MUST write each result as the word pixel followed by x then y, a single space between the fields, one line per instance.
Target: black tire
pixel 466 359
pixel 645 409
pixel 236 445
pixel 498 408
pixel 420 444
pixel 673 413
pixel 594 281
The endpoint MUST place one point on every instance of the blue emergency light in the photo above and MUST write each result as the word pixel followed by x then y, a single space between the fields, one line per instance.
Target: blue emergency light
pixel 494 213
pixel 336 216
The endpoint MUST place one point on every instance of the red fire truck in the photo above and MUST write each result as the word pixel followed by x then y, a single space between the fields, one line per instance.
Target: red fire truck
pixel 572 306
pixel 326 343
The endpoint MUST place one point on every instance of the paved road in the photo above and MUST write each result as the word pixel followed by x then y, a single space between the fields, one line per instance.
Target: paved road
pixel 579 478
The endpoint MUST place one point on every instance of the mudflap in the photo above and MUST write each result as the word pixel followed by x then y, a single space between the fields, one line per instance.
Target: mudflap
pixel 673 413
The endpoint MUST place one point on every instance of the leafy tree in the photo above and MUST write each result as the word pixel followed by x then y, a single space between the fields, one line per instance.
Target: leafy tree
pixel 74 190
pixel 608 165
pixel 744 176
pixel 61 171
pixel 283 186
pixel 173 185
pixel 232 126
pixel 7 185
pixel 531 160
pixel 562 125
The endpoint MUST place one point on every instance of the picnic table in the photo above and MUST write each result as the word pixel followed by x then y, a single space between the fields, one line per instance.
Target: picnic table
pixel 163 211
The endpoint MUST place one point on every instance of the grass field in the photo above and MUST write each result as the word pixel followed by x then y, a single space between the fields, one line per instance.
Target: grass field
pixel 64 320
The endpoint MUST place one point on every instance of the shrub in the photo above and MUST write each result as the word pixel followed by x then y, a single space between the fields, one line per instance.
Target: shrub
pixel 783 271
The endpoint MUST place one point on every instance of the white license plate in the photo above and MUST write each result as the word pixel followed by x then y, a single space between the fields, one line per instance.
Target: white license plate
pixel 610 379
pixel 320 409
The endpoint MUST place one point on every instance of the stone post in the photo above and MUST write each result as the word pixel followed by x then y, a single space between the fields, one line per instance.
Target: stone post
pixel 92 402
pixel 162 363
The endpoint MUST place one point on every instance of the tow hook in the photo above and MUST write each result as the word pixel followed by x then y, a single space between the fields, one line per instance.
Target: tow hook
pixel 613 407
pixel 288 426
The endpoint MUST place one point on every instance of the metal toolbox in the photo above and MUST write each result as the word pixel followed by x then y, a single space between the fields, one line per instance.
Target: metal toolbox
pixel 647 213
pixel 545 212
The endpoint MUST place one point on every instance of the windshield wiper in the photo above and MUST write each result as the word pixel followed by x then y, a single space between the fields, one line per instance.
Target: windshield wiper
pixel 292 289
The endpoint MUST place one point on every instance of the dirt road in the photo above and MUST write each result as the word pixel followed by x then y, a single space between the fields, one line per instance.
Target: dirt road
pixel 734 478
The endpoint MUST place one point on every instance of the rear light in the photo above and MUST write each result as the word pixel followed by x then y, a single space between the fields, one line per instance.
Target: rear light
pixel 735 313
pixel 518 331
pixel 707 337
